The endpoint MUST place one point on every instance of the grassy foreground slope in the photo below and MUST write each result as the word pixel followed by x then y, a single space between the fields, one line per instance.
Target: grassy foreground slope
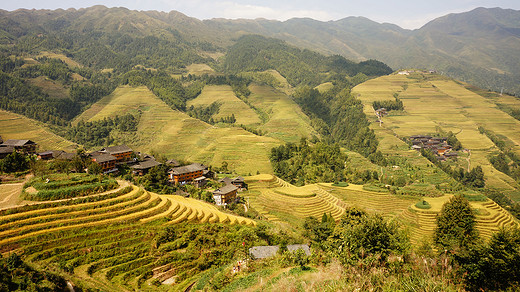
pixel 175 134
pixel 14 126
pixel 433 103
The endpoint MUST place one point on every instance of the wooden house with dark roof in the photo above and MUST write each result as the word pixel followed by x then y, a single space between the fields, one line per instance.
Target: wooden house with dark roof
pixel 142 167
pixel 5 150
pixel 183 174
pixel 45 155
pixel 25 146
pixel 122 153
pixel 225 195
pixel 106 161
pixel 240 183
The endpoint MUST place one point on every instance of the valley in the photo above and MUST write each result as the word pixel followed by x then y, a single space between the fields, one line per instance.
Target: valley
pixel 152 151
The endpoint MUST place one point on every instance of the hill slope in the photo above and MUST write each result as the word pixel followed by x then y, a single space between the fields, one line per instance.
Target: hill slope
pixel 175 134
pixel 433 104
pixel 15 126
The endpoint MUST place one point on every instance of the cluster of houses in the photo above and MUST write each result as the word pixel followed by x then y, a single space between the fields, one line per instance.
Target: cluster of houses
pixel 437 145
pixel 109 158
pixel 23 146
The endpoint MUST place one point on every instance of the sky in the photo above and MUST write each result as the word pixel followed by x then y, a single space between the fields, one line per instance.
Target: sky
pixel 410 14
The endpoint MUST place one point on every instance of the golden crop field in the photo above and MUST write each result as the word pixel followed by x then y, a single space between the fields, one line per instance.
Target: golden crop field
pixel 286 121
pixel 14 126
pixel 176 135
pixel 230 104
pixel 441 103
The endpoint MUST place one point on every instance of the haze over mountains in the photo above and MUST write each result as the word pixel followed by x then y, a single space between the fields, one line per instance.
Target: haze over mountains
pixel 479 46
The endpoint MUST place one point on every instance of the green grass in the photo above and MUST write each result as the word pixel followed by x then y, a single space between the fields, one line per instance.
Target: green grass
pixel 286 121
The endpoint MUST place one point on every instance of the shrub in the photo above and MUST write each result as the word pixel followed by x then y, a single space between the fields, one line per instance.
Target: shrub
pixel 423 205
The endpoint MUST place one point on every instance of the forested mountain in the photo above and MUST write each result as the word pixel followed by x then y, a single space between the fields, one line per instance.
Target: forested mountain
pixel 477 46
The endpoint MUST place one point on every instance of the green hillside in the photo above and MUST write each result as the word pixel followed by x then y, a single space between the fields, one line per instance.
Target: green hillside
pixel 176 135
pixel 434 104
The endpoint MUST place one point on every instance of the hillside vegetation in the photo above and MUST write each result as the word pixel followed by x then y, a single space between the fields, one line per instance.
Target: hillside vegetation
pixel 436 105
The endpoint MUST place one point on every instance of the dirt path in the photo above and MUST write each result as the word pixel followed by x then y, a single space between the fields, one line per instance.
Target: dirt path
pixel 469 160
pixel 10 193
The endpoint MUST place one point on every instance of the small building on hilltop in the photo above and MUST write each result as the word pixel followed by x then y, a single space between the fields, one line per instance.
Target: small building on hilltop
pixel 25 146
pixel 122 153
pixel 225 195
pixel 183 174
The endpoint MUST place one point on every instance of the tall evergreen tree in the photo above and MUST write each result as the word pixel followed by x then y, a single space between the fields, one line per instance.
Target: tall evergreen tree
pixel 455 225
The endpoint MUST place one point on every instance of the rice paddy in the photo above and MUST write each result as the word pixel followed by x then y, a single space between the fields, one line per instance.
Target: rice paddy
pixel 176 135
pixel 431 103
pixel 102 240
pixel 14 126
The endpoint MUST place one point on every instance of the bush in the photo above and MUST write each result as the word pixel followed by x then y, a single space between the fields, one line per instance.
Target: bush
pixel 423 205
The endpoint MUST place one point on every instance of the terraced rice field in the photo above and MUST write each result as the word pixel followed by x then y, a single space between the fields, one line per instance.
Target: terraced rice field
pixel 230 104
pixel 176 135
pixel 436 102
pixel 14 126
pixel 277 200
pixel 286 121
pixel 102 239
pixel 490 217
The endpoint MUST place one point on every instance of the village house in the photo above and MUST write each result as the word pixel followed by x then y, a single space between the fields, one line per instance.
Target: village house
pixel 106 161
pixel 238 181
pixel 437 145
pixel 122 153
pixel 225 195
pixel 266 251
pixel 142 167
pixel 183 174
pixel 46 155
pixel 5 150
pixel 24 146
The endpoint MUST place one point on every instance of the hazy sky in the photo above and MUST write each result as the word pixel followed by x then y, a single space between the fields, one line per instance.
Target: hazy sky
pixel 405 13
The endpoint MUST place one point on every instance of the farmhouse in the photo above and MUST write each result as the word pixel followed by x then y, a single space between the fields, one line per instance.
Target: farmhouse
pixel 183 174
pixel 225 195
pixel 142 167
pixel 106 161
pixel 46 155
pixel 122 153
pixel 25 146
pixel 5 150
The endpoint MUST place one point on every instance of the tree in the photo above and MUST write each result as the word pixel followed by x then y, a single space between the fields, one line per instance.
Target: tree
pixel 496 265
pixel 94 168
pixel 360 236
pixel 455 225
